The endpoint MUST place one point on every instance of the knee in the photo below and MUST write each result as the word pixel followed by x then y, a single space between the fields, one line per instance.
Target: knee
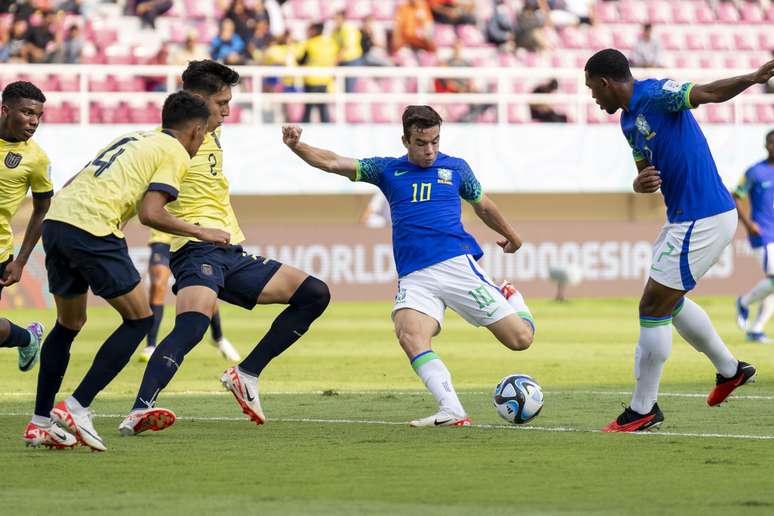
pixel 312 293
pixel 75 323
pixel 142 325
pixel 410 338
pixel 521 337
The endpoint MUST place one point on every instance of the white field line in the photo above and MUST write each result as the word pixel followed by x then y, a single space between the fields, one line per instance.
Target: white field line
pixel 559 429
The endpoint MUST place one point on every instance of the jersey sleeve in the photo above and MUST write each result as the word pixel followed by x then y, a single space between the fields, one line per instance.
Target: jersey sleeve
pixel 670 96
pixel 743 188
pixel 637 155
pixel 40 178
pixel 370 170
pixel 170 172
pixel 470 188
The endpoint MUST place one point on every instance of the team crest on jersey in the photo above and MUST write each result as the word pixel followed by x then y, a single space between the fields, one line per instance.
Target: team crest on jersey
pixel 12 160
pixel 207 269
pixel 444 176
pixel 644 127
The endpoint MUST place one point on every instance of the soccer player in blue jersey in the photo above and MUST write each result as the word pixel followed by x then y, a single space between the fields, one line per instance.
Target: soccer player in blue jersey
pixel 757 185
pixel 672 154
pixel 435 257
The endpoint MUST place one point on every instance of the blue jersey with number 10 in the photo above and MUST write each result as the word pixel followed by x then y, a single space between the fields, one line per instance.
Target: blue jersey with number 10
pixel 425 207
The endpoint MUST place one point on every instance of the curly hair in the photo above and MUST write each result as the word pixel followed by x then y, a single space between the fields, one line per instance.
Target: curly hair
pixel 18 90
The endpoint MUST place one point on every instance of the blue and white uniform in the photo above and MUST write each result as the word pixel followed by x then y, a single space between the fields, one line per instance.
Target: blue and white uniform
pixel 701 215
pixel 757 184
pixel 434 255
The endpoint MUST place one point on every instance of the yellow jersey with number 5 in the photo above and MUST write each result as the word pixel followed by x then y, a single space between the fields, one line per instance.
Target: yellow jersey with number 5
pixel 107 192
pixel 204 197
pixel 23 165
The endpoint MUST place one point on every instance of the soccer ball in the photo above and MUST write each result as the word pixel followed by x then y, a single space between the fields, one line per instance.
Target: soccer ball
pixel 518 398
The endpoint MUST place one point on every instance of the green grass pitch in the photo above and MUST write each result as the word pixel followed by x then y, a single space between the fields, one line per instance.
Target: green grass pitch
pixel 337 444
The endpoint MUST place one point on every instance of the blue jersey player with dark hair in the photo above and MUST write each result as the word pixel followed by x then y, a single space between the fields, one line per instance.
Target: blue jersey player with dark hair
pixel 435 257
pixel 671 154
pixel 757 185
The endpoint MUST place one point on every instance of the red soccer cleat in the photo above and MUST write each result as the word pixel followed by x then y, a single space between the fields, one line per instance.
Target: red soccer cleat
pixel 631 421
pixel 745 373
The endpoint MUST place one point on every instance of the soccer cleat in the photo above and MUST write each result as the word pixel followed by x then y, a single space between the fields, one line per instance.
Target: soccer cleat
pixel 742 314
pixel 759 337
pixel 245 390
pixel 79 425
pixel 146 353
pixel 442 418
pixel 139 421
pixel 631 421
pixel 29 354
pixel 745 373
pixel 227 349
pixel 49 436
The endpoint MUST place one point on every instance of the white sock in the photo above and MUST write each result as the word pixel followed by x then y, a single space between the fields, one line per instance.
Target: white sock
pixel 437 379
pixel 75 405
pixel 765 311
pixel 43 422
pixel 760 291
pixel 516 300
pixel 694 325
pixel 653 349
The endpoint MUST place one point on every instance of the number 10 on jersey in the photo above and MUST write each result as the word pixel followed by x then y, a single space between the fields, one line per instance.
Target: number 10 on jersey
pixel 424 192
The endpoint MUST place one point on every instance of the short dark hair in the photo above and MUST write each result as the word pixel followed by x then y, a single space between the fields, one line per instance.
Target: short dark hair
pixel 208 76
pixel 609 63
pixel 422 117
pixel 18 90
pixel 182 107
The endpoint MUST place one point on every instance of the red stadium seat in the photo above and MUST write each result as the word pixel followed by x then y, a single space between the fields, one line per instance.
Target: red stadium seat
pixel 703 13
pixel 766 40
pixel 670 39
pixel 744 39
pixel 599 38
pixel 355 113
pixel 727 13
pixel 444 35
pixel 305 9
pixel 384 113
pixel 150 113
pixel 118 54
pixel 720 113
pixel 129 83
pixel 234 115
pixel 383 9
pixel 358 8
pixel 69 82
pixel 607 12
pixel 764 113
pixel 118 114
pixel 518 114
pixel 683 12
pixel 470 36
pixel 720 41
pixel 573 37
pixel 633 12
pixel 695 40
pixel 95 113
pixel 625 39
pixel 751 13
pixel 660 12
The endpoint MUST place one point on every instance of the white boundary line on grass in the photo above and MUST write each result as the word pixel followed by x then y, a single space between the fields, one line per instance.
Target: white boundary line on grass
pixel 485 426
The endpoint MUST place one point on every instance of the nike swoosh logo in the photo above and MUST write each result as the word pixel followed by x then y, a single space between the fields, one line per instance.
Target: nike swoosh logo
pixel 439 423
pixel 61 436
pixel 247 395
pixel 400 173
pixel 27 365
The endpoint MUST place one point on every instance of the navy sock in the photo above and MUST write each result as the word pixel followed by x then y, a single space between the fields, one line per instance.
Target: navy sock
pixel 215 328
pixel 18 337
pixel 189 329
pixel 54 356
pixel 158 315
pixel 111 358
pixel 307 304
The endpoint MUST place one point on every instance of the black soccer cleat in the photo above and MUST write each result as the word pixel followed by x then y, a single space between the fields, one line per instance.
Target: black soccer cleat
pixel 745 373
pixel 631 421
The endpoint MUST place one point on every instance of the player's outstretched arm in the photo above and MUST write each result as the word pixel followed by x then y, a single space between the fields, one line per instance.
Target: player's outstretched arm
pixel 152 213
pixel 318 158
pixel 725 89
pixel 14 269
pixel 490 214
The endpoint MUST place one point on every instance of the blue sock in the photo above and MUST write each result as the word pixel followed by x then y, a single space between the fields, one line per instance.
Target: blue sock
pixel 111 358
pixel 217 331
pixel 54 356
pixel 18 337
pixel 158 315
pixel 189 329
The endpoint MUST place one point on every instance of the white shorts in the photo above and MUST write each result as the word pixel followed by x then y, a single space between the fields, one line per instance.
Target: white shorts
pixel 685 251
pixel 765 255
pixel 458 283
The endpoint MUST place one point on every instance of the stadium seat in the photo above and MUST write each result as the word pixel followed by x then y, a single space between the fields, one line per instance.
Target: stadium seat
pixel 744 39
pixel 358 8
pixel 683 12
pixel 128 83
pixel 384 113
pixel 720 41
pixel 607 12
pixel 69 82
pixel 355 113
pixel 115 114
pixel 720 113
pixel 444 35
pixel 305 9
pixel 751 13
pixel 670 39
pixel 599 38
pixel 518 114
pixel 624 39
pixel 703 13
pixel 727 13
pixel 470 36
pixel 573 37
pixel 633 12
pixel 766 40
pixel 660 12
pixel 118 55
pixel 695 40
pixel 764 113
pixel 383 9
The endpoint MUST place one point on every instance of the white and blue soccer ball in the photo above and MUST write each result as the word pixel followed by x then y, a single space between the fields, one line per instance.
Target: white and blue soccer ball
pixel 518 398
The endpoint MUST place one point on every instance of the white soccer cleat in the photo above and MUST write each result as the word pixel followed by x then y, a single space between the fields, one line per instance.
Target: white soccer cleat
pixel 78 424
pixel 51 436
pixel 442 418
pixel 227 349
pixel 139 421
pixel 245 389
pixel 146 353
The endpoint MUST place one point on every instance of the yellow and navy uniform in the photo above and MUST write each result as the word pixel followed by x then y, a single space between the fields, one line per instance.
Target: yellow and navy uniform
pixel 24 165
pixel 204 194
pixel 107 192
pixel 320 51
pixel 159 237
pixel 348 38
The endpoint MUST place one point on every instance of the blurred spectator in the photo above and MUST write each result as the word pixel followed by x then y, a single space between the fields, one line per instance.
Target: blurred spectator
pixel 377 213
pixel 646 53
pixel 561 13
pixel 318 50
pixel 349 39
pixel 461 85
pixel 374 48
pixel 276 18
pixel 281 52
pixel 499 29
pixel 259 42
pixel 68 48
pixel 69 6
pixel 227 46
pixel 530 29
pixel 413 27
pixel 544 112
pixel 39 35
pixel 770 84
pixel 149 10
pixel 243 17
pixel 17 43
pixel 190 51
pixel 5 46
pixel 453 12
pixel 22 9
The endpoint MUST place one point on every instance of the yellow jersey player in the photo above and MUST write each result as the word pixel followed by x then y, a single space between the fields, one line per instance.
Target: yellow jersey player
pixel 137 173
pixel 158 274
pixel 24 166
pixel 205 272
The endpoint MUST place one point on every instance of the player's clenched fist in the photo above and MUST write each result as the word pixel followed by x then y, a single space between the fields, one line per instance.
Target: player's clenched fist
pixel 291 134
pixel 647 181
pixel 764 73
pixel 216 236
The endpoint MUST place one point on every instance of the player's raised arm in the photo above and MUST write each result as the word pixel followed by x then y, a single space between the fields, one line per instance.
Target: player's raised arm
pixel 490 214
pixel 319 158
pixel 725 89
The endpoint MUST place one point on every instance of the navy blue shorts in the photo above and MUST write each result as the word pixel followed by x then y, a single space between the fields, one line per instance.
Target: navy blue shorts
pixel 77 260
pixel 237 277
pixel 159 254
pixel 2 271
